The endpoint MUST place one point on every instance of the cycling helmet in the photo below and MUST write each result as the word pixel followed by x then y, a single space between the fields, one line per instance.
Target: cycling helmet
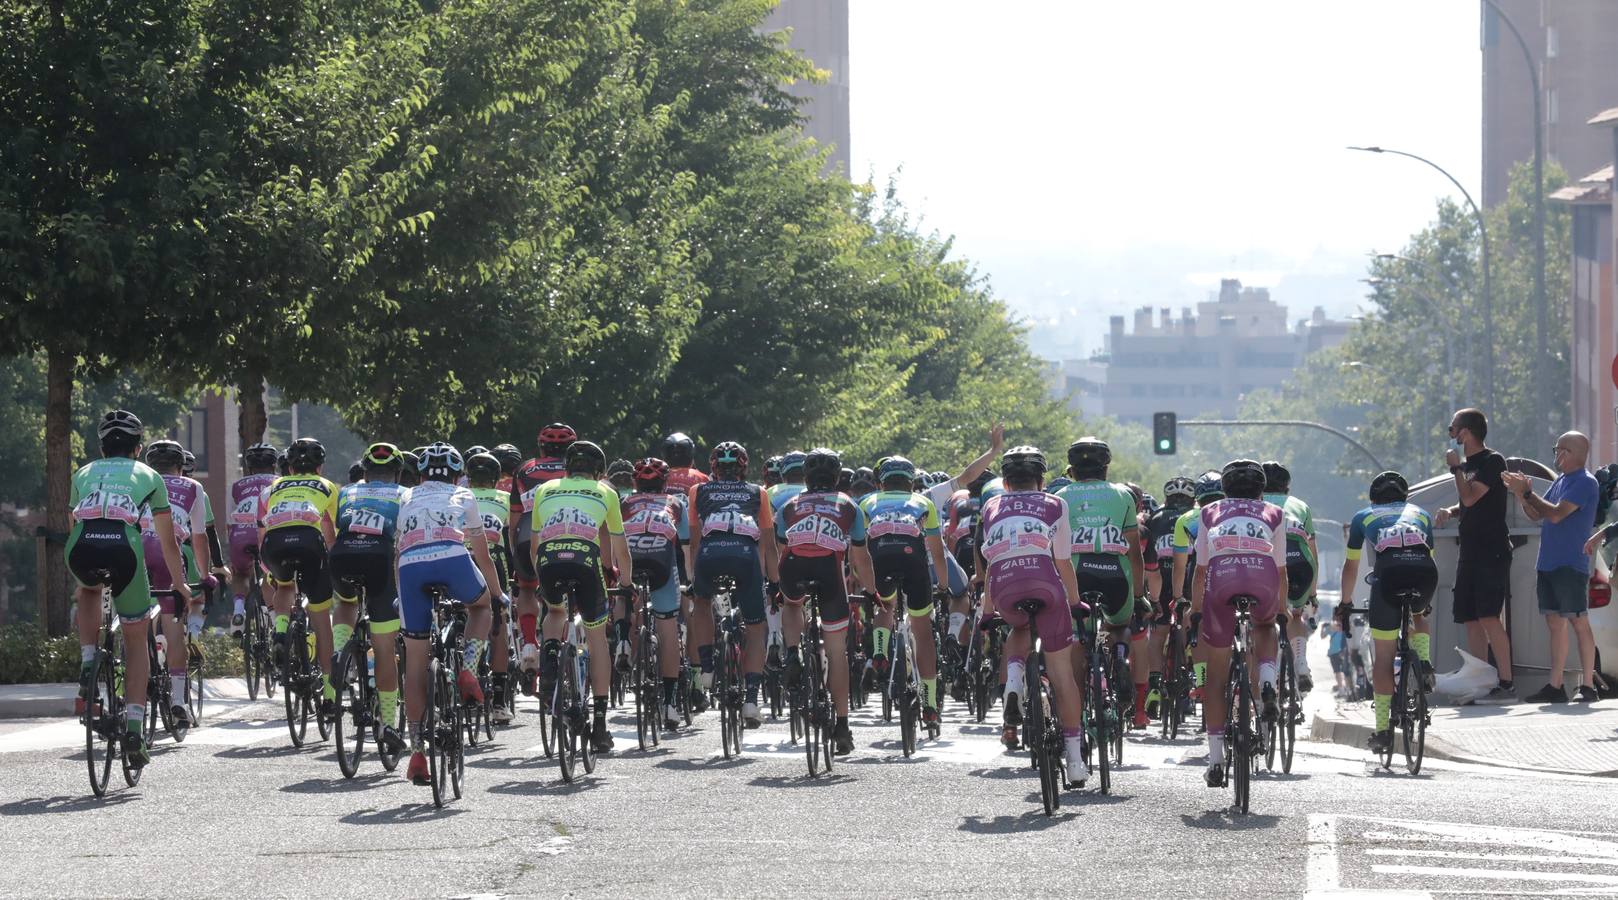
pixel 510 457
pixel 259 456
pixel 792 462
pixel 188 463
pixel 1089 457
pixel 895 467
pixel 821 468
pixel 864 480
pixel 483 467
pixel 1022 464
pixel 165 454
pixel 121 422
pixel 1209 486
pixel 941 477
pixel 306 455
pixel 679 449
pixel 1179 486
pixel 1243 479
pixel 726 453
pixel 557 433
pixel 1389 487
pixel 976 485
pixel 621 472
pixel 773 465
pixel 1138 493
pixel 1149 505
pixel 281 465
pixel 474 450
pixel 586 457
pixel 845 479
pixel 441 462
pixel 356 472
pixel 651 471
pixel 1277 480
pixel 382 455
pixel 1057 483
pixel 410 467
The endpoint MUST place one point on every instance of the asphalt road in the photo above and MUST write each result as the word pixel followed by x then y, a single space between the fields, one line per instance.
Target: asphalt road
pixel 236 810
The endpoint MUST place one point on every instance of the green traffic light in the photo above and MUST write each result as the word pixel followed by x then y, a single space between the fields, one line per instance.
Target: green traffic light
pixel 1163 444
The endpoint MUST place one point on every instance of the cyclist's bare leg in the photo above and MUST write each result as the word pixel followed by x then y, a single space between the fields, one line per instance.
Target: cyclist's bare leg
pixel 836 647
pixel 753 648
pixel 1066 689
pixel 595 640
pixel 137 664
pixel 921 628
pixel 87 602
pixel 668 646
pixel 174 634
pixel 320 622
pixel 699 630
pixel 416 652
pixel 792 624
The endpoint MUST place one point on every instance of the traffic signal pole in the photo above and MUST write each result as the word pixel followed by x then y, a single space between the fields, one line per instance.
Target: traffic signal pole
pixel 1291 423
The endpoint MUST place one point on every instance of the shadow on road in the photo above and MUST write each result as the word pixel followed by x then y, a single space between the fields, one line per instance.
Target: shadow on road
pixel 547 788
pixel 261 752
pixel 402 815
pixel 1033 820
pixel 692 765
pixel 1006 773
pixel 39 806
pixel 1229 820
pixel 509 762
pixel 801 781
pixel 340 785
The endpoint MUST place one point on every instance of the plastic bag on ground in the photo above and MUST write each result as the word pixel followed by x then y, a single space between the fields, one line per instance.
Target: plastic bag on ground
pixel 1472 680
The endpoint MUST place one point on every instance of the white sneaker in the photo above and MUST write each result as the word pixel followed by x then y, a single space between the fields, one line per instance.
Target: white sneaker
pixel 238 623
pixel 706 680
pixel 1077 772
pixel 501 715
pixel 750 717
pixel 528 658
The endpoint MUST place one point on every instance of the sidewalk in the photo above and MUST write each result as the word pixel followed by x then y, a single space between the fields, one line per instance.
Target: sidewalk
pixel 43 701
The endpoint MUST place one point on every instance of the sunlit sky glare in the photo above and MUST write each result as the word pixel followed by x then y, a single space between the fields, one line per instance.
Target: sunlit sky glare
pixel 1097 156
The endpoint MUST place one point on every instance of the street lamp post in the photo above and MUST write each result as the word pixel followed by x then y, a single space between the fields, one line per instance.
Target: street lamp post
pixel 1483 236
pixel 1541 310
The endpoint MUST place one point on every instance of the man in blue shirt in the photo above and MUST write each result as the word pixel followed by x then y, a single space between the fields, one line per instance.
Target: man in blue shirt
pixel 1566 515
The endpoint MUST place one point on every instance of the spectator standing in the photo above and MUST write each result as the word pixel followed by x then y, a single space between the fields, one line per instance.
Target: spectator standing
pixel 1566 516
pixel 1336 643
pixel 1483 574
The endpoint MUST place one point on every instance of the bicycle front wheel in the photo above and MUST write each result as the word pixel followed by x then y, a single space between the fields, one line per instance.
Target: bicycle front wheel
pixel 1291 710
pixel 193 680
pixel 348 732
pixel 433 729
pixel 100 722
pixel 250 657
pixel 1413 706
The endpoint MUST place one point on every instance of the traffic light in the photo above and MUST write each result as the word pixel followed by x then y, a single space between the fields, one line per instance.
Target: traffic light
pixel 1165 441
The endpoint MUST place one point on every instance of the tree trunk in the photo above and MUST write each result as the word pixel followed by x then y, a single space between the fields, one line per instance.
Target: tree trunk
pixel 58 475
pixel 254 418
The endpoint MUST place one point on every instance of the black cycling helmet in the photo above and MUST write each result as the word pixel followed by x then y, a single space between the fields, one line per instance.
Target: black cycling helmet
pixel 306 455
pixel 122 423
pixel 1089 457
pixel 1277 480
pixel 1179 486
pixel 821 469
pixel 1389 487
pixel 1139 493
pixel 441 462
pixel 585 458
pixel 165 454
pixel 509 456
pixel 772 466
pixel 188 463
pixel 679 449
pixel 410 468
pixel 474 450
pixel 727 455
pixel 483 467
pixel 845 479
pixel 975 486
pixel 1243 479
pixel 1022 464
pixel 895 467
pixel 281 466
pixel 864 480
pixel 1210 486
pixel 356 472
pixel 1057 483
pixel 259 456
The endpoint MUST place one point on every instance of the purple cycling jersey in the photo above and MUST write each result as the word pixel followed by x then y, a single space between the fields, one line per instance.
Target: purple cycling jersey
pixel 1243 544
pixel 185 508
pixel 245 496
pixel 1024 533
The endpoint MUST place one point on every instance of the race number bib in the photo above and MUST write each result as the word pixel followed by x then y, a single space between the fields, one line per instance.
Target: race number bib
pixel 1017 536
pixel 245 513
pixel 100 504
pixel 894 525
pixel 1242 534
pixel 569 522
pixel 292 512
pixel 1107 538
pixel 737 523
pixel 1399 535
pixel 366 521
pixel 817 531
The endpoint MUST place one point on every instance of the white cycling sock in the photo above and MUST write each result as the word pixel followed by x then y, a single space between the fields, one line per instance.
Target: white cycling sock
pixel 1300 654
pixel 238 605
pixel 1216 749
pixel 772 617
pixel 177 689
pixel 956 620
pixel 1014 672
pixel 1266 673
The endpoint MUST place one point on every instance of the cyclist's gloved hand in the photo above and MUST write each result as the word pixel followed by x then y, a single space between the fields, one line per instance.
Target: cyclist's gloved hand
pixel 1143 606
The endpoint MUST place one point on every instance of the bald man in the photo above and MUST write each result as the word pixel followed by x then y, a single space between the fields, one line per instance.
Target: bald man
pixel 1566 515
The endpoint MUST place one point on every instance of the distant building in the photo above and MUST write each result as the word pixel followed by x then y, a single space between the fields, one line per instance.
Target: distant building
pixel 1593 314
pixel 1082 383
pixel 820 32
pixel 1204 364
pixel 1575 45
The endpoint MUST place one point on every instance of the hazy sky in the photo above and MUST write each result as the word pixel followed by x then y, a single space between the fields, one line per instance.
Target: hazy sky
pixel 1096 156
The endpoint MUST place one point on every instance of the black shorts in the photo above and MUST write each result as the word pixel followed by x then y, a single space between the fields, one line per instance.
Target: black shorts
pixel 965 554
pixel 524 564
pixel 744 570
pixel 366 561
pixel 832 591
pixel 104 545
pixel 1480 588
pixel 583 581
pixel 655 572
pixel 1300 576
pixel 1102 573
pixel 907 573
pixel 298 553
pixel 1400 571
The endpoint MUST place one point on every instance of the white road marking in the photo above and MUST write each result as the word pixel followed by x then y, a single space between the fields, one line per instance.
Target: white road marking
pixel 1321 869
pixel 1497 857
pixel 1496 874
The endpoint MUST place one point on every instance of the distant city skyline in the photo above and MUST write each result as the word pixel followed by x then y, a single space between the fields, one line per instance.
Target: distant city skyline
pixel 1093 158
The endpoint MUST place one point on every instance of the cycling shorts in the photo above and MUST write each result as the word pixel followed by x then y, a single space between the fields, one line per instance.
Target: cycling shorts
pixel 749 593
pixel 959 583
pixel 1103 584
pixel 906 573
pixel 665 589
pixel 298 553
pixel 442 563
pixel 366 561
pixel 1053 622
pixel 583 581
pixel 1300 578
pixel 827 571
pixel 1229 576
pixel 523 565
pixel 240 541
pixel 964 555
pixel 1396 571
pixel 104 545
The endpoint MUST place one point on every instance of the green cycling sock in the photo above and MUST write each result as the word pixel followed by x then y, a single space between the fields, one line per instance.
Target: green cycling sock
pixel 1383 704
pixel 929 693
pixel 1202 673
pixel 340 635
pixel 326 689
pixel 281 624
pixel 879 640
pixel 388 706
pixel 1424 646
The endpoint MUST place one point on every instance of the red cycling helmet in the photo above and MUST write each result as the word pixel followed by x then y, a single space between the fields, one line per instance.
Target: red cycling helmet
pixel 651 469
pixel 557 433
pixel 728 453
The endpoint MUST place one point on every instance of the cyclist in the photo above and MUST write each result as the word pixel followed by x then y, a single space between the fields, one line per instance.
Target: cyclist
pixel 367 525
pixel 865 482
pixel 1241 549
pixel 208 578
pixel 548 466
pixel 299 524
pixel 903 532
pixel 441 542
pixel 410 472
pixel 680 450
pixel 791 484
pixel 1024 551
pixel 109 498
pixel 657 529
pixel 1209 488
pixel 510 458
pixel 621 475
pixel 845 480
pixel 575 518
pixel 818 528
pixel 772 472
pixel 1104 524
pixel 258 468
pixel 1179 494
pixel 1302 565
pixel 187 511
pixel 1400 535
pixel 494 506
pixel 731 534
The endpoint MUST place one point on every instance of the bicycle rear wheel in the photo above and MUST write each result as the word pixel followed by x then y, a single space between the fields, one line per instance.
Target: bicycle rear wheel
pixel 348 732
pixel 101 714
pixel 1413 707
pixel 250 658
pixel 1290 709
pixel 433 729
pixel 909 701
pixel 1096 701
pixel 547 723
pixel 458 725
pixel 294 697
pixel 1242 765
pixel 193 680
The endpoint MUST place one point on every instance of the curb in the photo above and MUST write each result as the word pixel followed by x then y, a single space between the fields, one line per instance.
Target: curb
pixel 50 701
pixel 1353 734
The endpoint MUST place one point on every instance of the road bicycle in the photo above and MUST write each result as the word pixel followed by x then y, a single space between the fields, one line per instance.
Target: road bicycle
pixel 1408 715
pixel 647 676
pixel 1042 728
pixel 1177 680
pixel 257 639
pixel 1281 733
pixel 812 702
pixel 106 735
pixel 359 707
pixel 1243 740
pixel 729 688
pixel 301 684
pixel 1099 705
pixel 444 724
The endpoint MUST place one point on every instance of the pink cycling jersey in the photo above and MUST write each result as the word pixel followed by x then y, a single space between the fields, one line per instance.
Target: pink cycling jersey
pixel 245 496
pixel 1243 544
pixel 1023 533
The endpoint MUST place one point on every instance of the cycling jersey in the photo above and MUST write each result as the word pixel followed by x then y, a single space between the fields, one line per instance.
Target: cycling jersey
pixel 1400 536
pixel 1024 533
pixel 655 525
pixel 899 522
pixel 435 518
pixel 367 525
pixel 994 487
pixel 242 528
pixel 494 508
pixel 821 523
pixel 566 521
pixel 1102 523
pixel 1185 541
pixel 1301 562
pixel 525 483
pixel 186 510
pixel 294 500
pixel 682 480
pixel 1242 546
pixel 370 509
pixel 779 494
pixel 109 498
pixel 1160 528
